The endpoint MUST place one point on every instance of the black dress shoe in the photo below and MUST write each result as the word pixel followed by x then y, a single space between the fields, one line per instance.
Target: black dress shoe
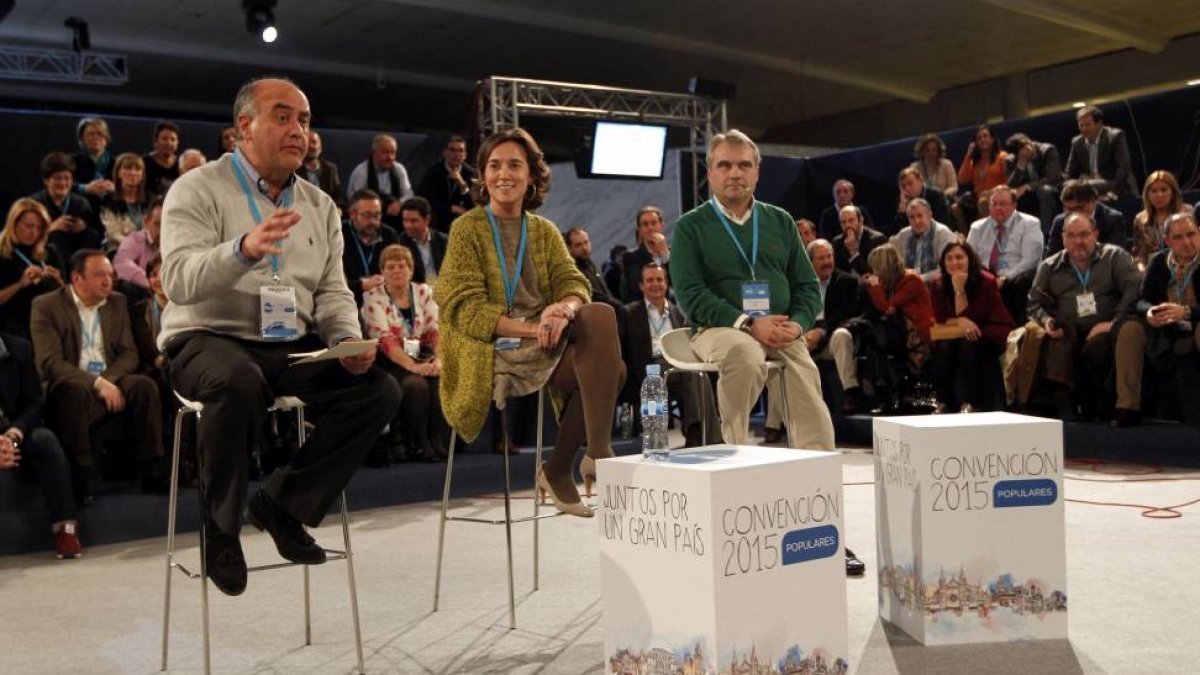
pixel 1126 418
pixel 771 435
pixel 854 566
pixel 292 542
pixel 226 566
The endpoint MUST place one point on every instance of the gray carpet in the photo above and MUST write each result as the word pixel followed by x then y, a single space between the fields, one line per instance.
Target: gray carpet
pixel 1133 600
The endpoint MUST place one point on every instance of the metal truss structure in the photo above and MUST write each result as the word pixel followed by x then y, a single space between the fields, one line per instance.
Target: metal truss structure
pixel 59 65
pixel 503 100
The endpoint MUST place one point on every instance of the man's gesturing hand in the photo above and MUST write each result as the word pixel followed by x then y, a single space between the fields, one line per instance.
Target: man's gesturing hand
pixel 264 240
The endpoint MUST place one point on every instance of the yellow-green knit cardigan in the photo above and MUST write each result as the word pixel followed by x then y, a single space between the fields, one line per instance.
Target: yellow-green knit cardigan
pixel 470 297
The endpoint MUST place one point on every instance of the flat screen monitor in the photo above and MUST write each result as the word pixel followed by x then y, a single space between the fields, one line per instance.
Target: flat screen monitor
pixel 625 150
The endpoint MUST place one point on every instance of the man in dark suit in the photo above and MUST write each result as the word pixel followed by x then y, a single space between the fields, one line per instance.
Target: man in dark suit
pixel 85 352
pixel 1035 172
pixel 842 298
pixel 855 243
pixel 428 246
pixel 643 323
pixel 1100 156
pixel 828 225
pixel 28 447
pixel 1080 197
pixel 652 247
pixel 364 238
pixel 447 184
pixel 579 245
pixel 322 172
pixel 912 186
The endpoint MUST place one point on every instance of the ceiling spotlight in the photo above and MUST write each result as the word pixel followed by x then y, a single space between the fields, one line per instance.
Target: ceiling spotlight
pixel 81 38
pixel 1079 104
pixel 1192 83
pixel 260 19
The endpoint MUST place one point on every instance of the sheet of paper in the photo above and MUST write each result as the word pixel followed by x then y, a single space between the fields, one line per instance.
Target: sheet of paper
pixel 343 348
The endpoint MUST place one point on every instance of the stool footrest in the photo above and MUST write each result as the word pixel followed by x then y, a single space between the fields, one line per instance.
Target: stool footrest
pixel 331 555
pixel 501 521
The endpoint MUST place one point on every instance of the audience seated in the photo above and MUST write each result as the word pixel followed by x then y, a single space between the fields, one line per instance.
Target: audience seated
pixel 139 248
pixel 29 266
pixel 1161 199
pixel 83 342
pixel 1035 172
pixel 93 162
pixel 913 186
pixel 1170 302
pixel 901 302
pixel 922 242
pixel 402 315
pixel 652 246
pixel 191 159
pixel 1100 156
pixel 322 172
pixel 428 246
pixel 967 368
pixel 807 231
pixel 227 141
pixel 1009 244
pixel 162 163
pixel 929 155
pixel 855 243
pixel 365 237
pixel 447 184
pixel 124 210
pixel 1084 297
pixel 29 448
pixel 829 224
pixel 579 245
pixel 1080 197
pixel 73 223
pixel 642 325
pixel 982 168
pixel 614 272
pixel 384 176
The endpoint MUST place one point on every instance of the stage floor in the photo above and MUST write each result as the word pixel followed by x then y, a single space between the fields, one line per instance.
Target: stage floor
pixel 1133 599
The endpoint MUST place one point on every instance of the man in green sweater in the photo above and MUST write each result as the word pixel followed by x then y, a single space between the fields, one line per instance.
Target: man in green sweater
pixel 741 276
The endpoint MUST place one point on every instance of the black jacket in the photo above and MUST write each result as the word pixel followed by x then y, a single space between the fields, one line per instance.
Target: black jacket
pixel 634 326
pixel 841 256
pixel 20 386
pixel 1109 221
pixel 442 193
pixel 843 301
pixel 360 261
pixel 1156 285
pixel 437 246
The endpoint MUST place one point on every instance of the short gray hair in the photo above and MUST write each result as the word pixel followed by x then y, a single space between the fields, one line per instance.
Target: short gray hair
pixel 245 104
pixel 850 207
pixel 732 137
pixel 1182 217
pixel 919 202
pixel 818 243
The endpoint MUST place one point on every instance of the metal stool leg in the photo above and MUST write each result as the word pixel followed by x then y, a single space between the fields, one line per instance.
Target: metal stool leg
pixel 171 504
pixel 703 407
pixel 353 588
pixel 301 437
pixel 537 462
pixel 512 603
pixel 437 580
pixel 787 410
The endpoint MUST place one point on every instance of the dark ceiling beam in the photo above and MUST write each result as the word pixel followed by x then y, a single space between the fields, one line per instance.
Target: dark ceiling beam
pixel 1081 18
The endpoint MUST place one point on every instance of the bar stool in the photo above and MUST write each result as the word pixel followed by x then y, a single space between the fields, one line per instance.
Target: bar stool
pixel 508 519
pixel 676 348
pixel 282 403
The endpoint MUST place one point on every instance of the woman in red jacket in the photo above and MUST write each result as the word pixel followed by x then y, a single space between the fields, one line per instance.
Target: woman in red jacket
pixel 893 290
pixel 968 293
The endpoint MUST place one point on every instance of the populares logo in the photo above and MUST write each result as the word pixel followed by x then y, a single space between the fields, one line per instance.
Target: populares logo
pixel 811 543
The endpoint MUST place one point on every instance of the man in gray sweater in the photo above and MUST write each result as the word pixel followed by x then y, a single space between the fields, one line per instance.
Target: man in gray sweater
pixel 252 264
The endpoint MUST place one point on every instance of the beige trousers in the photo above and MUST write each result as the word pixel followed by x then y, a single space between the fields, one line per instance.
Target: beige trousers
pixel 742 362
pixel 840 348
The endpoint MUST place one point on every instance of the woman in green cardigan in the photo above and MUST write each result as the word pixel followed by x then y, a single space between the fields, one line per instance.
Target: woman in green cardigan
pixel 515 315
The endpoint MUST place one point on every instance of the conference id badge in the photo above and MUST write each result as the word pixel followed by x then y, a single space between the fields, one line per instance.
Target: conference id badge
pixel 277 312
pixel 1085 304
pixel 655 346
pixel 506 343
pixel 756 298
pixel 95 367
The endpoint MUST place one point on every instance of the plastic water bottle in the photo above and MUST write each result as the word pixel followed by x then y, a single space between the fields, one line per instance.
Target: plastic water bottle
pixel 625 420
pixel 654 415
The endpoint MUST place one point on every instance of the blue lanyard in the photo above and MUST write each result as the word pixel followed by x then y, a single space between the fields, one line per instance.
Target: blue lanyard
pixel 752 261
pixel 1181 286
pixel 1083 278
pixel 28 262
pixel 657 327
pixel 510 283
pixel 89 337
pixel 66 207
pixel 284 201
pixel 156 313
pixel 366 260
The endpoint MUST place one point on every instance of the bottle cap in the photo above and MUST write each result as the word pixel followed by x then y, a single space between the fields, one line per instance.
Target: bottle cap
pixel 653 369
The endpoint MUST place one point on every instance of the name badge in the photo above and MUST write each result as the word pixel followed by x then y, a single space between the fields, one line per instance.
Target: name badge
pixel 756 298
pixel 506 343
pixel 655 347
pixel 277 312
pixel 1085 303
pixel 412 347
pixel 95 367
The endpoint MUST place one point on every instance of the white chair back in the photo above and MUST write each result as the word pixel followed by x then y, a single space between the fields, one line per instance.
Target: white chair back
pixel 677 350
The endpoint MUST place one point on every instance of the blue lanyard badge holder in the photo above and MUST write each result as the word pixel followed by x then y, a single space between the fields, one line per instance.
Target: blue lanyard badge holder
pixel 276 301
pixel 1085 301
pixel 756 295
pixel 510 282
pixel 94 366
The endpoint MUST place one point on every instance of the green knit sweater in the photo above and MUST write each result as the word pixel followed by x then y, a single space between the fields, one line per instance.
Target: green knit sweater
pixel 707 271
pixel 470 297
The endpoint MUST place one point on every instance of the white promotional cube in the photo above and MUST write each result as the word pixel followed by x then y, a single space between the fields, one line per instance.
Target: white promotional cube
pixel 969 520
pixel 727 559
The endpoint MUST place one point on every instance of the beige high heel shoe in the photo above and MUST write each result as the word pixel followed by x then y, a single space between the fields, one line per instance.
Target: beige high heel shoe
pixel 587 469
pixel 575 509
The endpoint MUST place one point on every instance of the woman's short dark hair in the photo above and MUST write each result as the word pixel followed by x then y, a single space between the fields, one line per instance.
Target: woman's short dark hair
pixel 539 172
pixel 974 268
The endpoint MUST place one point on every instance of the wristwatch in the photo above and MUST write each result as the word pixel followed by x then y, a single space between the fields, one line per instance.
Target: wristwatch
pixel 745 327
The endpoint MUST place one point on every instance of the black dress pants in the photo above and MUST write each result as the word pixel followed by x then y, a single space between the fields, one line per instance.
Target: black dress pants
pixel 237 380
